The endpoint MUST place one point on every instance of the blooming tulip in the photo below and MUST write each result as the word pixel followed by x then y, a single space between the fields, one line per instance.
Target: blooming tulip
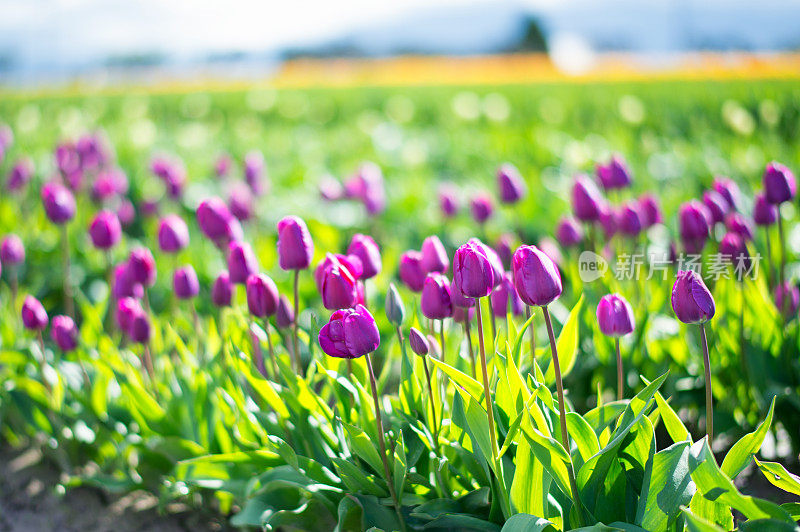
pixel 217 222
pixel 716 204
pixel 787 299
pixel 20 174
pixel 255 172
pixel 737 223
pixel 350 333
pixel 729 190
pixel 127 309
pixel 473 274
pixel 124 284
pixel 615 318
pixel 338 286
pixel 694 220
pixel 764 213
pixel 505 296
pixel 448 200
pixel 284 315
pixel 733 247
pixel 367 251
pixel 12 251
pixel 650 211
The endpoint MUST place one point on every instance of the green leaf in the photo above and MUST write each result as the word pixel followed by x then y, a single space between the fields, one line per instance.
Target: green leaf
pixel 779 476
pixel 695 523
pixel 527 523
pixel 768 525
pixel 356 480
pixel 667 487
pixel 583 436
pixel 739 455
pixel 551 454
pixel 675 427
pixel 473 387
pixel 567 343
pixel 793 509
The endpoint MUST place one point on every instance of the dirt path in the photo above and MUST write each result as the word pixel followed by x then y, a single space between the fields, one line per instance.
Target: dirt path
pixel 29 503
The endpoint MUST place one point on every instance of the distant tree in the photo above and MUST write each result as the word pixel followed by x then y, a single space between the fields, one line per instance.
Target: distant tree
pixel 532 39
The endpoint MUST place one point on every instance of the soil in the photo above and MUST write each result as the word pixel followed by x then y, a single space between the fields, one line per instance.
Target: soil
pixel 30 502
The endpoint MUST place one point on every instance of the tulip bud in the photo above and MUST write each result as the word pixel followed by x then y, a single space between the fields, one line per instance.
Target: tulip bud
pixel 367 186
pixel 764 212
pixel 411 271
pixel 569 232
pixel 494 260
pixel 350 333
pixel 34 317
pixel 615 316
pixel 729 190
pixel 434 256
pixel 650 211
pixel 262 295
pixel 503 249
pixel 330 189
pixel 587 200
pixel 733 247
pixel 105 230
pixel 217 222
pixel 504 295
pixel 615 174
pixel 127 309
pixel 20 174
pixel 64 333
pixel 740 225
pixel 295 247
pixel 694 220
pixel 124 283
pixel 142 266
pixel 255 172
pixel 536 276
pixel 418 342
pixel 788 295
pixel 629 220
pixel 481 207
pixel 223 164
pixel 367 251
pixel 126 212
pixel 12 251
pixel 222 291
pixel 512 186
pixel 240 200
pixel 395 310
pixel 473 274
pixel 242 262
pixel 435 300
pixel 140 328
pixel 185 283
pixel 716 204
pixel 779 183
pixel 338 286
pixel 173 234
pixel 448 200
pixel 458 299
pixel 691 299
pixel 284 316
pixel 59 203
pixel 609 221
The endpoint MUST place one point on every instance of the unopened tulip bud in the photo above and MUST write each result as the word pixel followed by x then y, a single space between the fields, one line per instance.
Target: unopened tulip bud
pixel 295 247
pixel 615 316
pixel 105 230
pixel 411 271
pixel 242 262
pixel 64 333
pixel 367 251
pixel 511 184
pixel 779 183
pixel 418 342
pixel 536 276
pixel 473 274
pixel 434 256
pixel 262 295
pixel 173 234
pixel 435 301
pixel 59 203
pixel 142 266
pixel 185 283
pixel 350 333
pixel 395 310
pixel 34 317
pixel 222 291
pixel 691 299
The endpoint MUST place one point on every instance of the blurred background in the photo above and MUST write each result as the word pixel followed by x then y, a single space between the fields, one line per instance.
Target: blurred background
pixel 99 42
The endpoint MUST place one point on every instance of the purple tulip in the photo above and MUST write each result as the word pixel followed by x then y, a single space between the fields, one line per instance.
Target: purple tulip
pixel 222 290
pixel 503 249
pixel 481 208
pixel 351 262
pixel 737 223
pixel 435 300
pixel 330 189
pixel 694 220
pixel 587 200
pixel 458 299
pixel 434 256
pixel 462 314
pixel 242 262
pixel 295 247
pixel 105 230
pixel 124 283
pixel 173 234
pixel 350 333
pixel 614 174
pixel 12 251
pixel 64 333
pixel 185 283
pixel 20 174
pixel 764 212
pixel 338 285
pixel 127 309
pixel 240 201
pixel 551 248
pixel 779 183
pixel 716 204
pixel 650 211
pixel 217 222
pixel 787 299
pixel 536 276
pixel 609 221
pixel 67 159
pixel 171 172
pixel 223 164
pixel 506 295
pixel 126 212
pixel 729 190
pixel 615 316
pixel 448 200
pixel 255 173
pixel 284 316
pixel 34 317
pixel 368 252
pixel 733 247
pixel 630 220
pixel 59 203
pixel 494 260
pixel 691 299
pixel 142 266
pixel 411 271
pixel 569 232
pixel 367 186
pixel 512 185
pixel 473 274
pixel 418 342
pixel 149 207
pixel 140 328
pixel 394 308
pixel 262 295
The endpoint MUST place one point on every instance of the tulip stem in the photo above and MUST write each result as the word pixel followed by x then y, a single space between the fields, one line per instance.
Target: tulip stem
pixel 295 343
pixel 471 352
pixel 382 443
pixel 782 270
pixel 43 362
pixel 271 350
pixel 770 269
pixel 528 313
pixel 709 396
pixel 148 364
pixel 576 498
pixel 620 377
pixel 441 338
pixel 486 392
pixel 434 424
pixel 70 306
pixel 494 324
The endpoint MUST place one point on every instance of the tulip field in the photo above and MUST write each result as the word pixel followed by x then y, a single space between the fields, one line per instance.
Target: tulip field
pixel 516 308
